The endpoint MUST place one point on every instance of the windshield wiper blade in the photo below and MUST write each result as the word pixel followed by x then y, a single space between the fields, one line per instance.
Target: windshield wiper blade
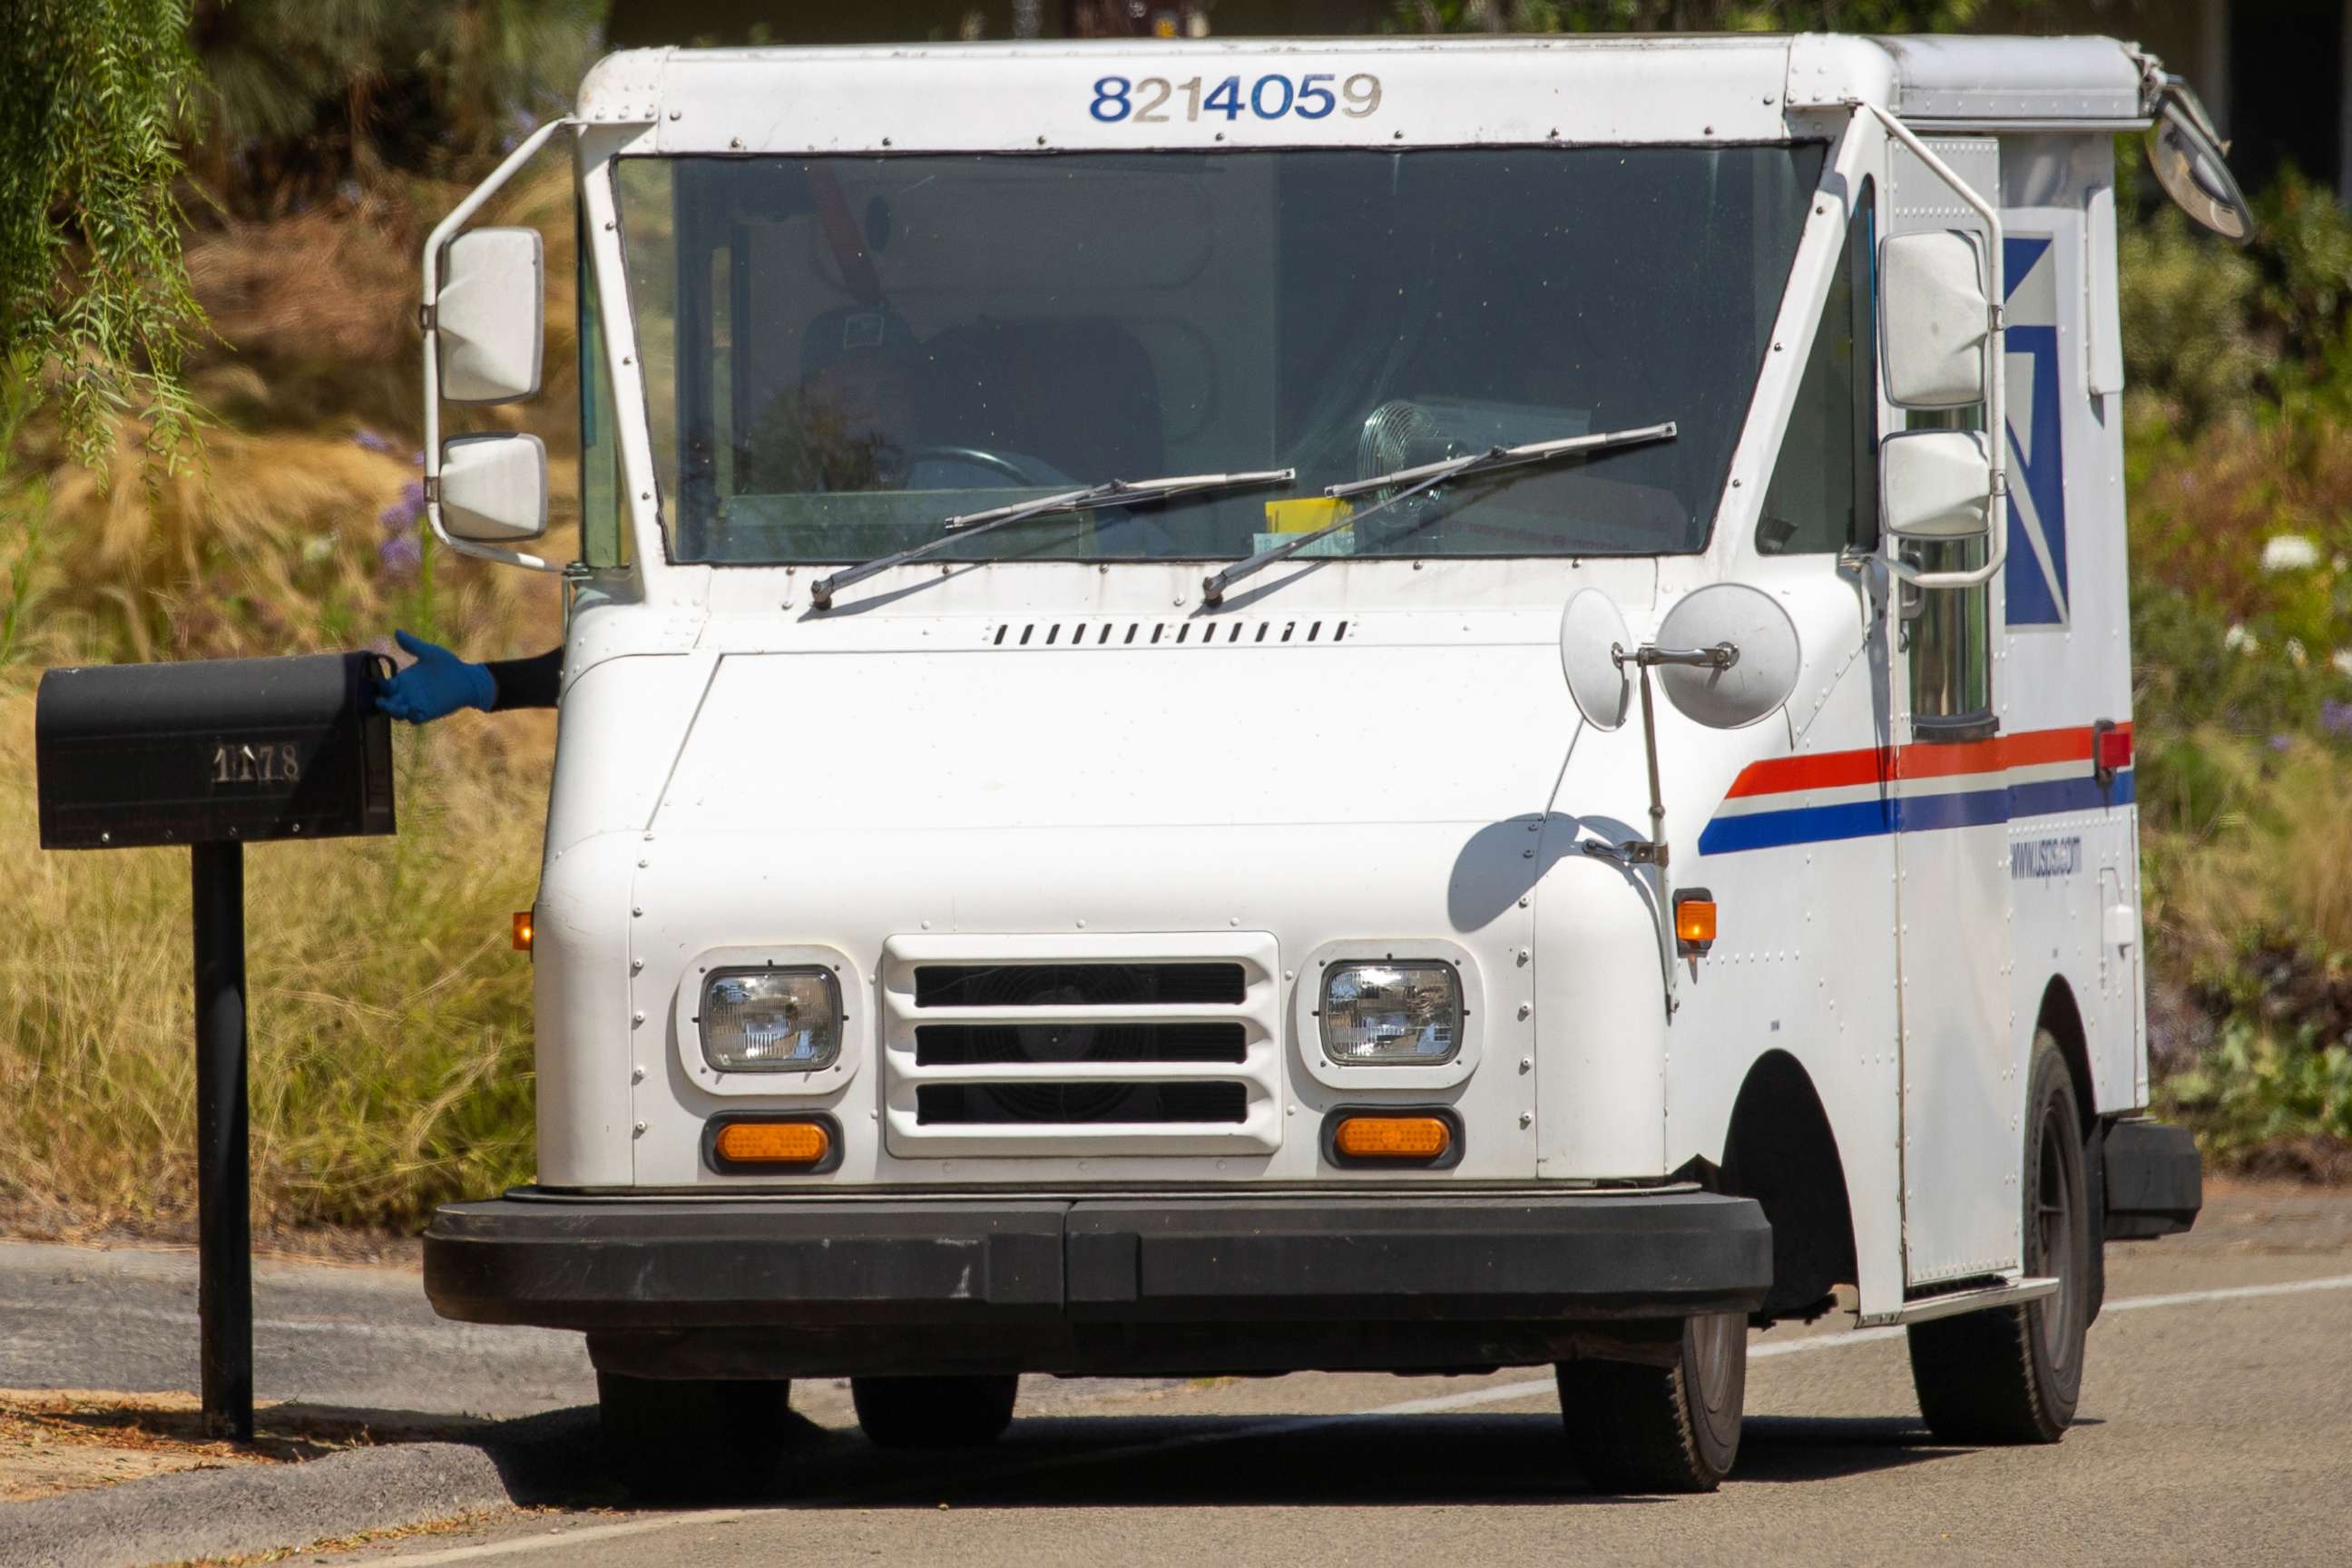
pixel 1423 477
pixel 1092 497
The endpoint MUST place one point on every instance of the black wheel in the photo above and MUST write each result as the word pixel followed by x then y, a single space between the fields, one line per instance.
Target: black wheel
pixel 2012 1375
pixel 1636 1427
pixel 693 1437
pixel 934 1412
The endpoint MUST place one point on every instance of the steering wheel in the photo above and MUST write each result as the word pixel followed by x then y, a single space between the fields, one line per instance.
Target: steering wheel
pixel 977 458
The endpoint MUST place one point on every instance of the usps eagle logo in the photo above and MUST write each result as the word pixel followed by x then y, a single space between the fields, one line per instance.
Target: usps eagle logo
pixel 2035 575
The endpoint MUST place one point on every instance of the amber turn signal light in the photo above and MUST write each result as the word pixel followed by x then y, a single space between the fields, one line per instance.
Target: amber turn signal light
pixel 1394 1138
pixel 523 931
pixel 1693 921
pixel 798 1144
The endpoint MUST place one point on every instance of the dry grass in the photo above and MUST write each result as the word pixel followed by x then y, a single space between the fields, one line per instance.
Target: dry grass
pixel 391 1027
pixel 390 1020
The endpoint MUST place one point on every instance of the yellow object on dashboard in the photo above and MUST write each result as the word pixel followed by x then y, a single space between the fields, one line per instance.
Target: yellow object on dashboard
pixel 1306 513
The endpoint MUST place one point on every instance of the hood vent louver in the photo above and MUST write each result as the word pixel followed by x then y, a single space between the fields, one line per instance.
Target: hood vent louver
pixel 1076 636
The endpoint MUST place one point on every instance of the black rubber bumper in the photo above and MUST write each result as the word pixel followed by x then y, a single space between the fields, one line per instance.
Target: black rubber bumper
pixel 664 1265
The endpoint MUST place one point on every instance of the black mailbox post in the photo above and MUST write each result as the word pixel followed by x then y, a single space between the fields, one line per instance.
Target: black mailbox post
pixel 215 755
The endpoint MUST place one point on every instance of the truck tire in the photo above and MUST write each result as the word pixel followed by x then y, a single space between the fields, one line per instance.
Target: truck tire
pixel 693 1437
pixel 2012 1375
pixel 934 1412
pixel 1640 1428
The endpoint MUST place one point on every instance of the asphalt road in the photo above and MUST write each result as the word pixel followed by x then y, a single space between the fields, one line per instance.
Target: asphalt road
pixel 358 1337
pixel 2216 1426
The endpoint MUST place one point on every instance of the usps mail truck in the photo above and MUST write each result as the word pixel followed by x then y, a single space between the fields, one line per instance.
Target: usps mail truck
pixel 1375 704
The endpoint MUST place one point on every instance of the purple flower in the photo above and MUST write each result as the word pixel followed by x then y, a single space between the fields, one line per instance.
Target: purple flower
pixel 403 514
pixel 2282 742
pixel 402 553
pixel 368 441
pixel 2336 718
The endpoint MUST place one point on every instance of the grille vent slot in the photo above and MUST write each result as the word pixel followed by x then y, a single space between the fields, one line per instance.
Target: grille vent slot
pixel 1076 984
pixel 1046 1042
pixel 1082 635
pixel 1066 1104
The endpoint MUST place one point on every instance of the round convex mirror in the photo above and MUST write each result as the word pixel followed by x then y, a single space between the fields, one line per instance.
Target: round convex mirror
pixel 1591 630
pixel 2187 158
pixel 1763 670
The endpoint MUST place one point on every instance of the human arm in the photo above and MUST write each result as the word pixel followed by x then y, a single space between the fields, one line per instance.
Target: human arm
pixel 439 682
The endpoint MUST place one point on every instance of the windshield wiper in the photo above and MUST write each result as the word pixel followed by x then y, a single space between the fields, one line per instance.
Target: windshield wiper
pixel 1426 476
pixel 1094 498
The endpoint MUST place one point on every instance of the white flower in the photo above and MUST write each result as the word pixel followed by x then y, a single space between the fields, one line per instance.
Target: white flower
pixel 2289 552
pixel 2237 639
pixel 2342 660
pixel 2295 652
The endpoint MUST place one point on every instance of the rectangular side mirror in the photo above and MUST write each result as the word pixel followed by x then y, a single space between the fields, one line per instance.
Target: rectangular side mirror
pixel 490 320
pixel 1935 317
pixel 494 489
pixel 1935 484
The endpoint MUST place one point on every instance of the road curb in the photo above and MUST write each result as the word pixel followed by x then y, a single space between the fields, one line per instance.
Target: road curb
pixel 262 1508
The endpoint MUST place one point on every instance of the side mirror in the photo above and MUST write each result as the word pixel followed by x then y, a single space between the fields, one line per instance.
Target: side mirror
pixel 1758 656
pixel 494 489
pixel 2187 156
pixel 490 318
pixel 1936 318
pixel 1935 484
pixel 1591 636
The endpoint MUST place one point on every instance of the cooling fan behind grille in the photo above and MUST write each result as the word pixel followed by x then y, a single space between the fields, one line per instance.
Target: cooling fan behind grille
pixel 1058 1042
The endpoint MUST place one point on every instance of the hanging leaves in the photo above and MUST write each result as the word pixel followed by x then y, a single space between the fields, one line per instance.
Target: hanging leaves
pixel 95 307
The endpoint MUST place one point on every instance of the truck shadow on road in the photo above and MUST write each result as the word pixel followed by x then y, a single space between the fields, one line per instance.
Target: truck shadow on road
pixel 1158 1461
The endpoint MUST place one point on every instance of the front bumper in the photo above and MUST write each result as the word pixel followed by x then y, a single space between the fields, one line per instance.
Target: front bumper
pixel 1090 1284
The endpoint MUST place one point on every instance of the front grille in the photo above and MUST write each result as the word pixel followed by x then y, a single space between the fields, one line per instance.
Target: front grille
pixel 1026 1104
pixel 1081 1044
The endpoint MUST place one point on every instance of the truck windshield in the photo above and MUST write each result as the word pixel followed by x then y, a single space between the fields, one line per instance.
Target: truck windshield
pixel 843 351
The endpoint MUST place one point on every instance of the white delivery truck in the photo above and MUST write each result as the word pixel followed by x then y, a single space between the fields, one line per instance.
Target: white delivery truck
pixel 1363 704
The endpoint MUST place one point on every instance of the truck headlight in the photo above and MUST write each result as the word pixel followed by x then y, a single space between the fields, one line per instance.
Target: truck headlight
pixel 771 1020
pixel 1389 1013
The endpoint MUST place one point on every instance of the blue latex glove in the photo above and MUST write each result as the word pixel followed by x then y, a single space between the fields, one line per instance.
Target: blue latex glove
pixel 438 683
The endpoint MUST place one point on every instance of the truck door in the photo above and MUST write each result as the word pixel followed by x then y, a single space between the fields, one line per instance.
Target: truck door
pixel 1961 1067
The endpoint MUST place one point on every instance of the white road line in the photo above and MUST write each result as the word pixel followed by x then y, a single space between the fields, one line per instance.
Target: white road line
pixel 2236 1293
pixel 554 1539
pixel 476 1336
pixel 1468 1399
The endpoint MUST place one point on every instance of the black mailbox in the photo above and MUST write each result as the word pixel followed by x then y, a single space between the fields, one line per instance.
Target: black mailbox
pixel 215 755
pixel 216 750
